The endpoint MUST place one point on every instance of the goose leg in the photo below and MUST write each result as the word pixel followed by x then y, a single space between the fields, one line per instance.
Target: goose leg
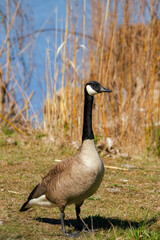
pixel 62 215
pixel 78 210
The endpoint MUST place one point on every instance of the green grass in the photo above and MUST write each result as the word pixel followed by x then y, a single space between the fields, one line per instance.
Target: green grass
pixel 7 131
pixel 133 212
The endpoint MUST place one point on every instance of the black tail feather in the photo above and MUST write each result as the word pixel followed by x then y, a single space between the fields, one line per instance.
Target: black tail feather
pixel 23 208
pixel 33 194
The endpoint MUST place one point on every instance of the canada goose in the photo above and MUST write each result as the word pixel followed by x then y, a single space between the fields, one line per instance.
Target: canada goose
pixel 76 178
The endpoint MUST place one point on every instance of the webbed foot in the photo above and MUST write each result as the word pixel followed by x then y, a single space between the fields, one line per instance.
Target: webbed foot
pixel 75 235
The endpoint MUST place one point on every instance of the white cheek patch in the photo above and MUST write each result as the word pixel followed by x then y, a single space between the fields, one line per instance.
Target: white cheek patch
pixel 90 90
pixel 41 201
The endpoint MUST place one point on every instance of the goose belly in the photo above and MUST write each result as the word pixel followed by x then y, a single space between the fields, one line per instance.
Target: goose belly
pixel 90 191
pixel 86 186
pixel 91 169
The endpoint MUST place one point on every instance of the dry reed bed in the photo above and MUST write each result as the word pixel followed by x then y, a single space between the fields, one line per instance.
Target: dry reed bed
pixel 123 57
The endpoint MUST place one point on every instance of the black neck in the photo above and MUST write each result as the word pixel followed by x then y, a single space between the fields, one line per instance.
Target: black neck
pixel 87 118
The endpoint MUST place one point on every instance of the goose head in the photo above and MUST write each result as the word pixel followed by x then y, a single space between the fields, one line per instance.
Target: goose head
pixel 94 87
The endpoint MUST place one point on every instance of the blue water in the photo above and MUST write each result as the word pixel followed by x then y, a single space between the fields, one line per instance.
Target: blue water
pixel 44 17
pixel 42 10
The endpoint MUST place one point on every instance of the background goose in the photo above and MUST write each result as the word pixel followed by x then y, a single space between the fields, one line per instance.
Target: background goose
pixel 76 178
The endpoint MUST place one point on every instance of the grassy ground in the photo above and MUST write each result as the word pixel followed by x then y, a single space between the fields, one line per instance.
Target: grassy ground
pixel 127 205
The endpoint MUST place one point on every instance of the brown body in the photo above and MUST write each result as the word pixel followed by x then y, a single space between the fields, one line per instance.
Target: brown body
pixel 72 180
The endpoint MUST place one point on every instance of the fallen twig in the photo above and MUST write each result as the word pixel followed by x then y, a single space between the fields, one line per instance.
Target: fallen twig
pixel 10 191
pixel 116 168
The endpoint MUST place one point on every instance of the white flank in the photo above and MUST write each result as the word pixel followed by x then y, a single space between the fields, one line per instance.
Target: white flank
pixel 41 201
pixel 90 90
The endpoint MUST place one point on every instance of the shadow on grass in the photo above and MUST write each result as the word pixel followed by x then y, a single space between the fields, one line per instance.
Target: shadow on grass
pixel 98 222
